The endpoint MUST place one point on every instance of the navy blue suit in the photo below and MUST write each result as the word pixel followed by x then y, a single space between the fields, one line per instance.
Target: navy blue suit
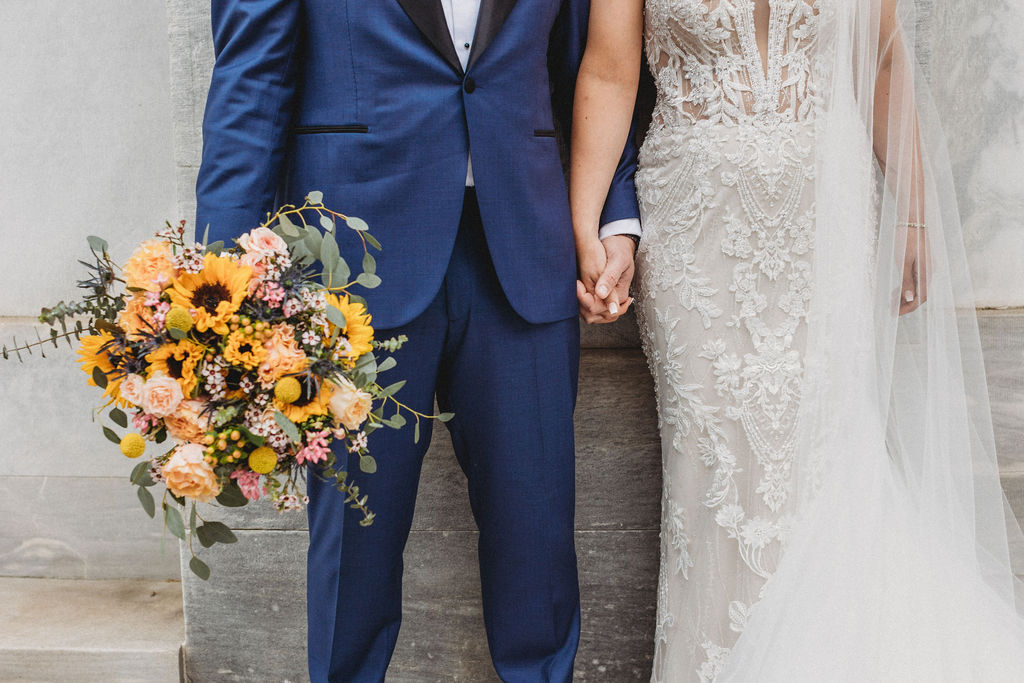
pixel 366 100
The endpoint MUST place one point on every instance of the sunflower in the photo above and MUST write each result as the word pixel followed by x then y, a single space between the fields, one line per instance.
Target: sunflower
pixel 308 405
pixel 94 352
pixel 179 361
pixel 244 350
pixel 214 293
pixel 357 331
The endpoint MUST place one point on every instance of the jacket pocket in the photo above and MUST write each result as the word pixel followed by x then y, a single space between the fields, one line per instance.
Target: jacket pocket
pixel 313 130
pixel 543 133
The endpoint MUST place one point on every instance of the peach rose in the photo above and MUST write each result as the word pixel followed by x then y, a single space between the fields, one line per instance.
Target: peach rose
pixel 131 389
pixel 188 474
pixel 350 406
pixel 258 263
pixel 161 395
pixel 150 267
pixel 263 241
pixel 188 423
pixel 284 356
pixel 136 317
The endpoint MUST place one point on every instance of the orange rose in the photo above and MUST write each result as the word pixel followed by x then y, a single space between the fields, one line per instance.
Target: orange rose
pixel 188 423
pixel 131 389
pixel 188 474
pixel 349 405
pixel 161 395
pixel 136 317
pixel 150 267
pixel 284 356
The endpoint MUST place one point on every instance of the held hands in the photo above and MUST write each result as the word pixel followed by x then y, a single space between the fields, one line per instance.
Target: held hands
pixel 606 271
pixel 914 289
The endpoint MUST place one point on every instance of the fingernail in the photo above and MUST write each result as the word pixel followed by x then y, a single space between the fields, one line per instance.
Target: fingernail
pixel 602 291
pixel 613 308
pixel 909 296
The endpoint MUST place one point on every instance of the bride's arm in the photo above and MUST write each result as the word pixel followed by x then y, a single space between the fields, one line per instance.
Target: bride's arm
pixel 897 145
pixel 605 97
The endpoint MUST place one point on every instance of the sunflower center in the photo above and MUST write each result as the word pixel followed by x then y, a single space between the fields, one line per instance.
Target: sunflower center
pixel 175 366
pixel 209 294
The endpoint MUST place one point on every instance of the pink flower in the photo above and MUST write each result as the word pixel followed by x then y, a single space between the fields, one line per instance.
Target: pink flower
pixel 263 241
pixel 161 395
pixel 316 448
pixel 249 482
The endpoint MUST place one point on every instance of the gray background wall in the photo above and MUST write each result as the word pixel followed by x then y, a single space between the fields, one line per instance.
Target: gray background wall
pixel 100 105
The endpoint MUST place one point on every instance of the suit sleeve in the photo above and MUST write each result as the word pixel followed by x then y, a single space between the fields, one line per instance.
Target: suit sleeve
pixel 565 53
pixel 248 113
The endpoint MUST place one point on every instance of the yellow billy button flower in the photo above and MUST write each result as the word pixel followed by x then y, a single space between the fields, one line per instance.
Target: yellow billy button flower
pixel 262 460
pixel 133 445
pixel 178 318
pixel 287 390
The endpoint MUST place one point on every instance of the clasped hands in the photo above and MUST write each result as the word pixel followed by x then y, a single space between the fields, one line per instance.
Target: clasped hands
pixel 605 273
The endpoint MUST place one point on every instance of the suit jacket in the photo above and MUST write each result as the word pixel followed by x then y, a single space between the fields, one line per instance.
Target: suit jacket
pixel 366 101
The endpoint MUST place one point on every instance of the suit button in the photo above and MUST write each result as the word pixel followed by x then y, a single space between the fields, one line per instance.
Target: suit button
pixel 469 85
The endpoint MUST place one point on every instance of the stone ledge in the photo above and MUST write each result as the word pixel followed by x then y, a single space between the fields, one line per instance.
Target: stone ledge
pixel 90 631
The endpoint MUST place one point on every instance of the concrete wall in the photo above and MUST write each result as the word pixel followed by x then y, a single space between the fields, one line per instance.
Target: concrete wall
pixel 86 126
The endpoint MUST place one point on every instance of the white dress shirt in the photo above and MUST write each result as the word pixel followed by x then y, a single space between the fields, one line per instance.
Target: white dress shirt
pixel 461 16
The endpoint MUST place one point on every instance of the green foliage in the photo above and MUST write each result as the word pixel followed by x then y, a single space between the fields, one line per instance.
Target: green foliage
pixel 146 498
pixel 173 521
pixel 199 568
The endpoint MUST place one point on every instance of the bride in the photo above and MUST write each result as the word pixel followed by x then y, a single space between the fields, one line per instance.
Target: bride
pixel 831 507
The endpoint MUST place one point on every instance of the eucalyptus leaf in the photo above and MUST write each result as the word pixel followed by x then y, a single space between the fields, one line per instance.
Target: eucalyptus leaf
pixel 327 223
pixel 393 389
pixel 369 263
pixel 231 496
pixel 161 436
pixel 204 537
pixel 176 333
pixel 119 418
pixel 287 426
pixel 206 235
pixel 367 464
pixel 97 243
pixel 111 436
pixel 372 241
pixel 312 240
pixel 220 532
pixel 329 253
pixel 315 197
pixel 215 248
pixel 175 524
pixel 357 224
pixel 369 280
pixel 146 498
pixel 199 568
pixel 341 272
pixel 446 417
pixel 287 227
pixel 335 315
pixel 138 471
pixel 192 518
pixel 416 433
pixel 99 377
pixel 398 421
pixel 386 364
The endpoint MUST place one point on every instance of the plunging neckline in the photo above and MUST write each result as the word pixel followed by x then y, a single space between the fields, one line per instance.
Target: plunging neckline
pixel 762 68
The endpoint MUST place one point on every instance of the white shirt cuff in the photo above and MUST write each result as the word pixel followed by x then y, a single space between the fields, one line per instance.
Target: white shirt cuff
pixel 626 226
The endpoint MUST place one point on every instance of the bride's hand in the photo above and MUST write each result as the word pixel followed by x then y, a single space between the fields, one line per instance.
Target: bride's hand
pixel 914 289
pixel 606 271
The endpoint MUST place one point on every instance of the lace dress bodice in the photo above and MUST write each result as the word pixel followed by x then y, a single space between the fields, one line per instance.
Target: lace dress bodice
pixel 707 64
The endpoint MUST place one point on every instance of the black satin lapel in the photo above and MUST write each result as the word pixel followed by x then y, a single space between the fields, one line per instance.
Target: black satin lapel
pixel 493 14
pixel 428 15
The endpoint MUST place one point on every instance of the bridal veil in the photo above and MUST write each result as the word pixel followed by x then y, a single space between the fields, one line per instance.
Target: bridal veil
pixel 900 568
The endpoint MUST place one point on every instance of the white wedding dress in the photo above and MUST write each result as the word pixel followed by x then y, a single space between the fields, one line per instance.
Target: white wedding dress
pixel 775 416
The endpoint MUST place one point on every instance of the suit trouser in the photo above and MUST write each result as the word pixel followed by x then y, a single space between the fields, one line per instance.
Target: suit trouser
pixel 512 387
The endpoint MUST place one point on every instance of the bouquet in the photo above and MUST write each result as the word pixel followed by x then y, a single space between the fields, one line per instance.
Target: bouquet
pixel 249 363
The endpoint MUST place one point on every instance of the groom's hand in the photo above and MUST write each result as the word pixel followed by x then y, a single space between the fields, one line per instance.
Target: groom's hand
pixel 606 272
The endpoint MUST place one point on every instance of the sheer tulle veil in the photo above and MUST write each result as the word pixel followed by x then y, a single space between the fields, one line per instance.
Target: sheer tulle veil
pixel 900 566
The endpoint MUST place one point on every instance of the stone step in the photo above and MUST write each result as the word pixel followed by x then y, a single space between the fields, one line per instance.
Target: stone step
pixel 113 631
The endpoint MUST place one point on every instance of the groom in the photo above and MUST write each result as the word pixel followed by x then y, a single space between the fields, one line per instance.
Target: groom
pixel 433 120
